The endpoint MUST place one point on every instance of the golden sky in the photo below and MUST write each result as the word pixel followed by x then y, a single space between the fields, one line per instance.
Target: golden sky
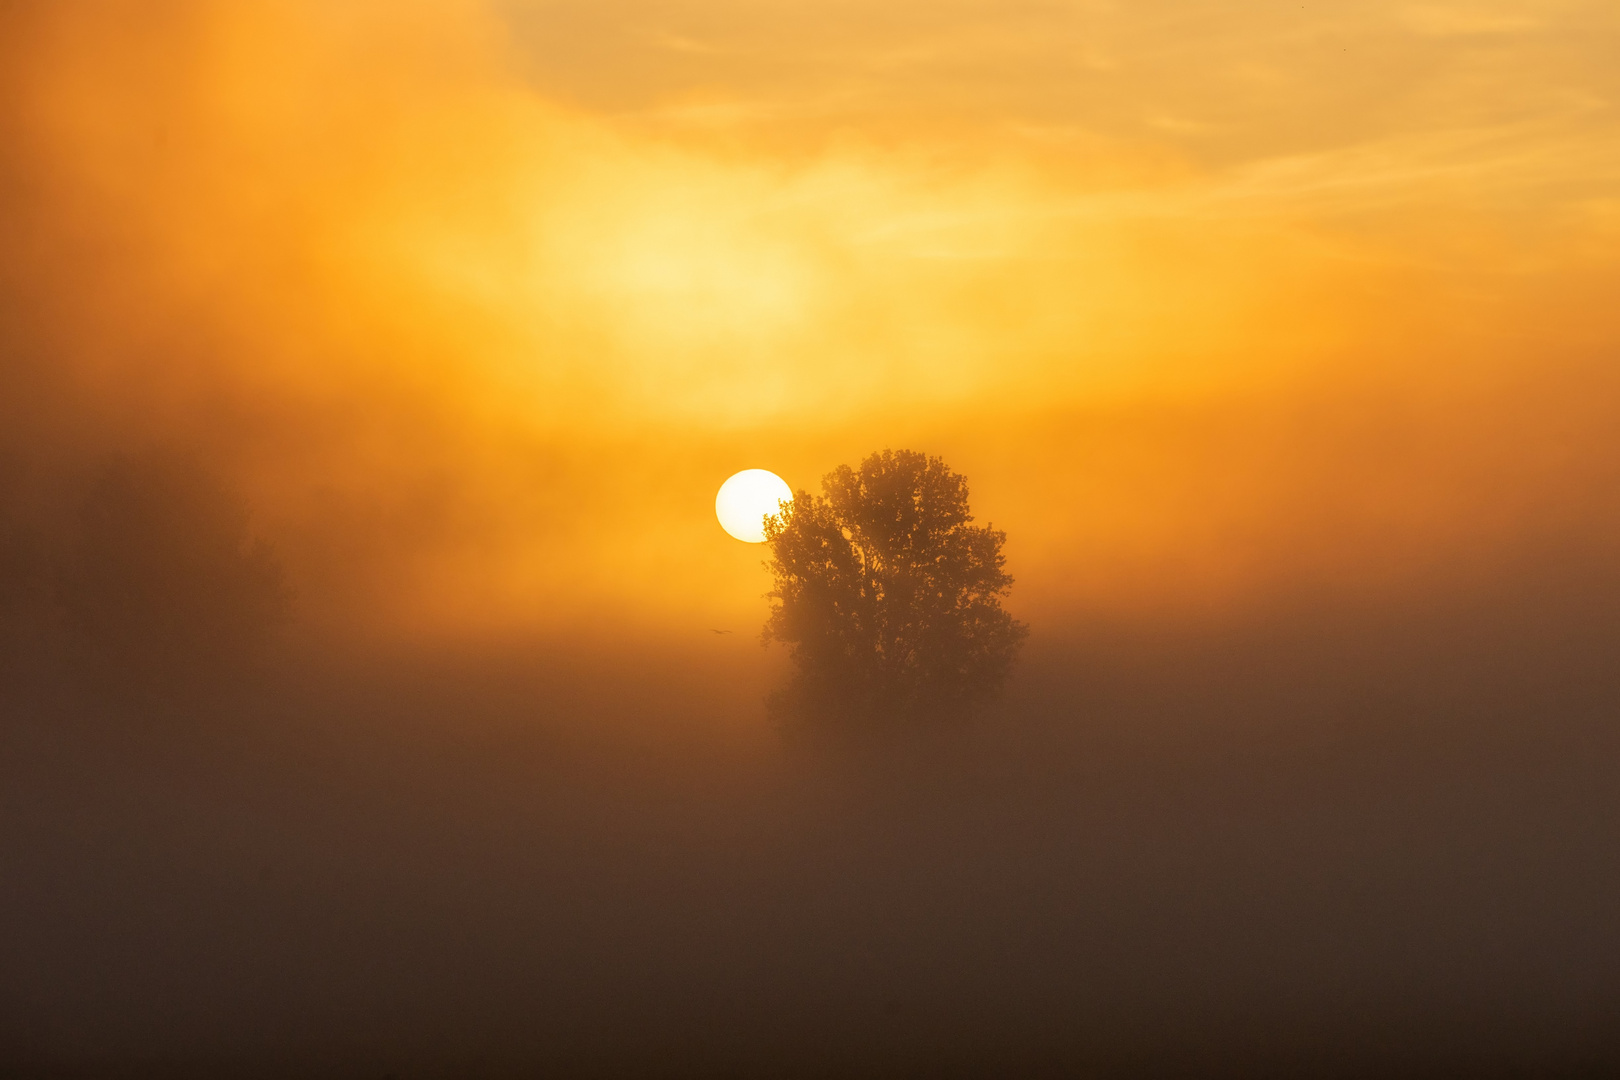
pixel 480 302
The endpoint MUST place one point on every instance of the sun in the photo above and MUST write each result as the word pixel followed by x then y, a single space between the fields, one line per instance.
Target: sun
pixel 747 499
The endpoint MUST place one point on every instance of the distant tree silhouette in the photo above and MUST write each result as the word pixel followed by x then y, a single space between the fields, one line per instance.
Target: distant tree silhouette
pixel 886 595
pixel 25 624
pixel 162 586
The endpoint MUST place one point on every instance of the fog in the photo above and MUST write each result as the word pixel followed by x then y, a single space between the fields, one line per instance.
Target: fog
pixel 366 377
pixel 1338 841
pixel 1337 835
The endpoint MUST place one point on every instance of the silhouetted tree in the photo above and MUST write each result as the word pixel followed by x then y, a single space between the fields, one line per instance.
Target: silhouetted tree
pixel 25 624
pixel 162 587
pixel 887 596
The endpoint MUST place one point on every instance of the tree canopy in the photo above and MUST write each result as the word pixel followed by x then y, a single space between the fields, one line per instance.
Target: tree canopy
pixel 887 596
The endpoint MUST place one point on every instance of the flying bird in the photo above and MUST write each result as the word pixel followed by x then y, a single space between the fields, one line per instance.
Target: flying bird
pixel 712 630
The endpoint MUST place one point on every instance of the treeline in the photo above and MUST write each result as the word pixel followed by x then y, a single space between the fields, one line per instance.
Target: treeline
pixel 139 579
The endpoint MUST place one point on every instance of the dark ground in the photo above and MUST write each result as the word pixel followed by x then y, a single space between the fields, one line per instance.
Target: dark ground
pixel 1333 838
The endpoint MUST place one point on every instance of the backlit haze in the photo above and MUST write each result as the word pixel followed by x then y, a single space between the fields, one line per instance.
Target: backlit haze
pixel 1281 339
pixel 1205 302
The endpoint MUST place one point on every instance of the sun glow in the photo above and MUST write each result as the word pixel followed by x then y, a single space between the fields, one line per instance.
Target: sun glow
pixel 747 499
pixel 488 323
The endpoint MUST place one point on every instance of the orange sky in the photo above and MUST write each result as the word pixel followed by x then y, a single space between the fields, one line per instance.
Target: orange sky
pixel 480 302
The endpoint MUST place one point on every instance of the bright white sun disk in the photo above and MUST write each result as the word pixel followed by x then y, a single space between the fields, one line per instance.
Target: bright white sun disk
pixel 747 499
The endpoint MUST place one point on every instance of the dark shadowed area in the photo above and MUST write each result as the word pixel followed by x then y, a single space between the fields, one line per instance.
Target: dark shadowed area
pixel 379 696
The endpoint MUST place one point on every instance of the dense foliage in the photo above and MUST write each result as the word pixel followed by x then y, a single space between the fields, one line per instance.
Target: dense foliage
pixel 887 596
